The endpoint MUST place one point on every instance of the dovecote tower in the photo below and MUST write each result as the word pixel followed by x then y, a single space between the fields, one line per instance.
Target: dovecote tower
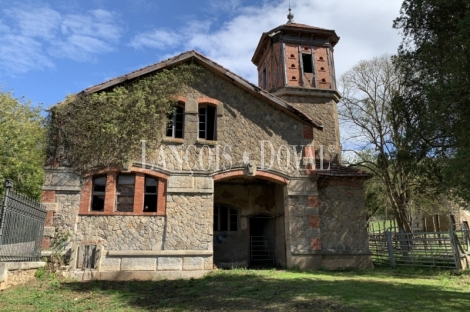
pixel 295 62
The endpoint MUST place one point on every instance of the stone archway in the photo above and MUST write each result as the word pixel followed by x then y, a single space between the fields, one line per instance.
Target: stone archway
pixel 248 201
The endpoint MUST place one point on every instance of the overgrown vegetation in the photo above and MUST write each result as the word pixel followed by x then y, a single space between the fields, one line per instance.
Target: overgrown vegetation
pixel 383 145
pixel 105 129
pixel 22 144
pixel 249 290
pixel 434 58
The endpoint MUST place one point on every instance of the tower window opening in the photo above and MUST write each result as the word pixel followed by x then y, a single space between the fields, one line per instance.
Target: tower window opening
pixel 293 66
pixel 307 62
pixel 264 79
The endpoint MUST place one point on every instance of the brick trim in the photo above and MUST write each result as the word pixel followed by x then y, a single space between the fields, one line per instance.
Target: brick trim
pixel 207 100
pixel 308 132
pixel 48 197
pixel 110 195
pixel 85 196
pixel 312 201
pixel 259 174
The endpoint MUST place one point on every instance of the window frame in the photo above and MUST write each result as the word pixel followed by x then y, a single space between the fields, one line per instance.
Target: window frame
pixel 98 193
pixel 307 57
pixel 217 224
pixel 145 193
pixel 86 193
pixel 173 123
pixel 128 195
pixel 206 122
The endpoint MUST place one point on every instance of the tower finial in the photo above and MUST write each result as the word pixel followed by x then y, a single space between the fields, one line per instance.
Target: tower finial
pixel 290 16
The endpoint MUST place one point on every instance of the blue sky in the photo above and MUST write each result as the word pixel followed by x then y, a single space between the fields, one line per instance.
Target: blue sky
pixel 52 48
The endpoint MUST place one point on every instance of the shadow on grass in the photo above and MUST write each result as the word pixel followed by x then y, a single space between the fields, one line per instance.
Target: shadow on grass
pixel 267 292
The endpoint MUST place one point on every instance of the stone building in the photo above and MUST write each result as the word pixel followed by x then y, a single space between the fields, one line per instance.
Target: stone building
pixel 250 175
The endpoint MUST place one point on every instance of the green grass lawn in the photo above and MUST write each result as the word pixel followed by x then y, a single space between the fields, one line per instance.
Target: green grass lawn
pixel 253 290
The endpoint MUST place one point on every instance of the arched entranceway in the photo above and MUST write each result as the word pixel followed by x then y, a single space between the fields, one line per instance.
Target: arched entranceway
pixel 249 224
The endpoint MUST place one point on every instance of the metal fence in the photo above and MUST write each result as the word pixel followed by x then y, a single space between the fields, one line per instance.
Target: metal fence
pixel 21 226
pixel 424 249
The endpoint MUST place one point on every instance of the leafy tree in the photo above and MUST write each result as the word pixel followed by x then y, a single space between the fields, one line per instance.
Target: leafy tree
pixel 434 59
pixel 96 130
pixel 383 142
pixel 22 142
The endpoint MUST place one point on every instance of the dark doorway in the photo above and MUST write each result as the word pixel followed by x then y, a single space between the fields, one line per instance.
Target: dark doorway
pixel 261 241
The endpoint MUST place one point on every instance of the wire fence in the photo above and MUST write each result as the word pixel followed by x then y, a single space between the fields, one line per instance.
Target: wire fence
pixel 21 226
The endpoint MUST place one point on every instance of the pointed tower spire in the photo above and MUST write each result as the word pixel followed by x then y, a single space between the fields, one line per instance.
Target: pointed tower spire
pixel 290 16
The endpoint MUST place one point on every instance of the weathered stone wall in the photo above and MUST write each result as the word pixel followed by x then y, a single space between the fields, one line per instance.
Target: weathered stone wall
pixel 189 222
pixel 324 111
pixel 61 196
pixel 243 122
pixel 187 226
pixel 121 232
pixel 17 273
pixel 343 218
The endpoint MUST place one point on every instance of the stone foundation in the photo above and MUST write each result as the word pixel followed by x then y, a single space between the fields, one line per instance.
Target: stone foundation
pixel 332 262
pixel 17 273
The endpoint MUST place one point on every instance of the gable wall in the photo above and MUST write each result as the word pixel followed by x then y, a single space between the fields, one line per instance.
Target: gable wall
pixel 243 123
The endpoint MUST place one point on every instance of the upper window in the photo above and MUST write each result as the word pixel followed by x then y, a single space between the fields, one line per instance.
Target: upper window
pixel 207 124
pixel 99 191
pixel 150 197
pixel 125 193
pixel 175 127
pixel 225 219
pixel 307 63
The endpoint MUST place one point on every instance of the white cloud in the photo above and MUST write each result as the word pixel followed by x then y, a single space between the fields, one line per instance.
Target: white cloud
pixel 35 21
pixel 45 32
pixel 97 23
pixel 79 48
pixel 19 54
pixel 218 6
pixel 365 28
pixel 158 39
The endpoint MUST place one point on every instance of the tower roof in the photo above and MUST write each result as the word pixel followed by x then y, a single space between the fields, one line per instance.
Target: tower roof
pixel 294 32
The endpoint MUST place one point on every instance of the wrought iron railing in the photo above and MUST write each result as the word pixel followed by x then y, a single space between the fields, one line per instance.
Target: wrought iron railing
pixel 21 226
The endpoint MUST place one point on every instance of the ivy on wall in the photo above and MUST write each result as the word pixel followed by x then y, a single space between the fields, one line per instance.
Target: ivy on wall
pixel 105 129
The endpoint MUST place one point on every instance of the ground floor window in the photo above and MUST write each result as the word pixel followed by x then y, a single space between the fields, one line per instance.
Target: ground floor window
pixel 151 193
pixel 125 193
pixel 99 192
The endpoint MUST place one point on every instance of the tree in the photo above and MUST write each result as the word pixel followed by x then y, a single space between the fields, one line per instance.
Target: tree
pixel 105 129
pixel 22 144
pixel 434 59
pixel 381 141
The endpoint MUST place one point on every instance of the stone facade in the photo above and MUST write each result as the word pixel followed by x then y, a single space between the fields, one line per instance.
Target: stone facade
pixel 258 181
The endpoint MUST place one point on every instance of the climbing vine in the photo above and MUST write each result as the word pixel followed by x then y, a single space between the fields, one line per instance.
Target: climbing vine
pixel 105 129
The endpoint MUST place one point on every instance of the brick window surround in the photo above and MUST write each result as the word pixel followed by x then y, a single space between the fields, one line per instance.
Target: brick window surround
pixel 110 194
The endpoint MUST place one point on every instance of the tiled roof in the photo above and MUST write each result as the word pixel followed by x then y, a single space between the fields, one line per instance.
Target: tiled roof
pixel 337 171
